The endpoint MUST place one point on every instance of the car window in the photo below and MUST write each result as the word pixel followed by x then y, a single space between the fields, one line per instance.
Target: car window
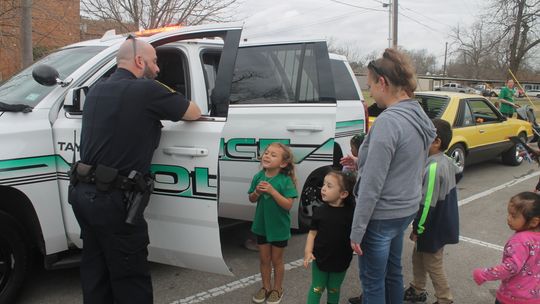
pixel 173 69
pixel 23 89
pixel 434 106
pixel 210 62
pixel 482 112
pixel 276 74
pixel 345 88
pixel 468 119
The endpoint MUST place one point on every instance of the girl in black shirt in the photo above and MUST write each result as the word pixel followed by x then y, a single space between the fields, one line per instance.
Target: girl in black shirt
pixel 328 241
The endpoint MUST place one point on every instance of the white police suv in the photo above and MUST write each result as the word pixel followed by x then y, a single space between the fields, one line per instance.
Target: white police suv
pixel 251 95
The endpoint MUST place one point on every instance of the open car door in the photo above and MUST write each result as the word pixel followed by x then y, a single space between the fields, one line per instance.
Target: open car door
pixel 183 211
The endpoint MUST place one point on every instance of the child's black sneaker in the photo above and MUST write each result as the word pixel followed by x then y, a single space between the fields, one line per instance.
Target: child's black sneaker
pixel 411 295
pixel 356 300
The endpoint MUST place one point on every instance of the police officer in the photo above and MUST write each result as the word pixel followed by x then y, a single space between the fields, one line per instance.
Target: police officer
pixel 120 130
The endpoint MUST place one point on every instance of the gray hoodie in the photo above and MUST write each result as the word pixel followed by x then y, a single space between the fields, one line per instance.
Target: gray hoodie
pixel 391 164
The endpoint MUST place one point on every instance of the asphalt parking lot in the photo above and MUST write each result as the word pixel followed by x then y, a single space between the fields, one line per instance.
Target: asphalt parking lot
pixel 483 193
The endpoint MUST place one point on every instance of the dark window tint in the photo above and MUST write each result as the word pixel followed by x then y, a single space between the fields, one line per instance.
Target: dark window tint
pixel 276 74
pixel 173 69
pixel 210 61
pixel 23 89
pixel 345 89
pixel 434 106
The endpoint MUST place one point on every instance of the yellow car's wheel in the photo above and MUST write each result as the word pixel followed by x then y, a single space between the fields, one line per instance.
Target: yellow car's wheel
pixel 512 157
pixel 457 153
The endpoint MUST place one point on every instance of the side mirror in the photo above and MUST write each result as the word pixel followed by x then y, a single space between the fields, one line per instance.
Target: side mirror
pixel 45 75
pixel 74 101
pixel 48 76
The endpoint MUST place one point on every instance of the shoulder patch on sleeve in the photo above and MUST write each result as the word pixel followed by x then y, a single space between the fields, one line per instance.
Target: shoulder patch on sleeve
pixel 165 86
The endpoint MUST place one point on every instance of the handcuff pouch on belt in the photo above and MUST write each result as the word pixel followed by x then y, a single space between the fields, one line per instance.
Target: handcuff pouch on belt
pixel 137 187
pixel 80 172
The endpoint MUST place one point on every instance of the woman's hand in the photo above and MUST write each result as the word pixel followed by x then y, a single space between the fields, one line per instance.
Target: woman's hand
pixel 356 248
pixel 349 161
pixel 413 237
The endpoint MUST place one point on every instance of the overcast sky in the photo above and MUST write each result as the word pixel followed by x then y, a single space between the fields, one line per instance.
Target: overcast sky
pixel 422 24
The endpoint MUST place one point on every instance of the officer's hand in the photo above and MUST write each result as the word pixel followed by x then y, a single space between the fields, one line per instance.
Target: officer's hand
pixel 193 112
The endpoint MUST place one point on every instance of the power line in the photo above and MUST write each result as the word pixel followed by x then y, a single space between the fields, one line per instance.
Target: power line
pixel 287 17
pixel 422 24
pixel 293 28
pixel 408 9
pixel 360 7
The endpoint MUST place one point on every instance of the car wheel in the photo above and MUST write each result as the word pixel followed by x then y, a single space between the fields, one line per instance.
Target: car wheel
pixel 311 197
pixel 14 259
pixel 511 157
pixel 457 153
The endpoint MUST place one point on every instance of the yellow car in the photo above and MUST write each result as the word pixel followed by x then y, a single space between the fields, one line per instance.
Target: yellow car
pixel 480 131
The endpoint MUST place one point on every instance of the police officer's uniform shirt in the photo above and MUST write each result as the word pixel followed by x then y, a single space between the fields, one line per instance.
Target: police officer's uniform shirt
pixel 121 125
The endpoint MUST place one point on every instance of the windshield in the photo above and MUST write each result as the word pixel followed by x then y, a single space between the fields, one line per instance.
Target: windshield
pixel 23 89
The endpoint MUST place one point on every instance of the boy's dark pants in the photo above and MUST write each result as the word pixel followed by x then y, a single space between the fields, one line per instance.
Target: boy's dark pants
pixel 114 266
pixel 432 263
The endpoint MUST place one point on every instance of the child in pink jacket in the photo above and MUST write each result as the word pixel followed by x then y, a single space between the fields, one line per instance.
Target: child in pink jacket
pixel 519 271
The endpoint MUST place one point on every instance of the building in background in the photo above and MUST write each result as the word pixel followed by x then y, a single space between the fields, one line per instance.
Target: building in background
pixel 55 23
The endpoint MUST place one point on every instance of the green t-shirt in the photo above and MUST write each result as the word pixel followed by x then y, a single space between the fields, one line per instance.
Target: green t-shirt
pixel 508 95
pixel 271 220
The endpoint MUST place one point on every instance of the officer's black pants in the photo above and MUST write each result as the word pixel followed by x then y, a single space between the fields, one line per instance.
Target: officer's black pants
pixel 114 267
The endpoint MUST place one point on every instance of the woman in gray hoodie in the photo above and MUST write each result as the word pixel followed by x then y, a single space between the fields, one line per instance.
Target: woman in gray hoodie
pixel 390 166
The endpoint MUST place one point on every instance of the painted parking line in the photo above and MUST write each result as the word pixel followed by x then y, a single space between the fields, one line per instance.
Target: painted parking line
pixel 250 280
pixel 481 243
pixel 229 287
pixel 497 188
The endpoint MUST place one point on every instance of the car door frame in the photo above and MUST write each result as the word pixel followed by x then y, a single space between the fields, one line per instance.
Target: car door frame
pixel 492 141
pixel 193 241
pixel 241 147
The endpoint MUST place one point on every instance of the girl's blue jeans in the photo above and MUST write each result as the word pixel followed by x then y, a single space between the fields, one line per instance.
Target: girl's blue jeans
pixel 380 265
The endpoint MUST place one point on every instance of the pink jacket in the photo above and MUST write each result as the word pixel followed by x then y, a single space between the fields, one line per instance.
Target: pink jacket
pixel 519 271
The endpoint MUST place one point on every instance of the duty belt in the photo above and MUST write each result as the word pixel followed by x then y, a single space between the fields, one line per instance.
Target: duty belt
pixel 107 178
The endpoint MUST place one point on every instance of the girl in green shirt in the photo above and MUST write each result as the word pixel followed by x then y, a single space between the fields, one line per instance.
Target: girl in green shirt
pixel 273 189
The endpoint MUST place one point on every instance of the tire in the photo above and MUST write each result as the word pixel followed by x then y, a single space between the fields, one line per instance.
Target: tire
pixel 458 154
pixel 311 197
pixel 14 259
pixel 511 157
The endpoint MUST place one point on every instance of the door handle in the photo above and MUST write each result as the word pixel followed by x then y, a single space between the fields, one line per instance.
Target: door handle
pixel 305 127
pixel 186 151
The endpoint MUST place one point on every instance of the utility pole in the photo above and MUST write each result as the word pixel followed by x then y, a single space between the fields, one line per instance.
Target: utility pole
pixel 394 24
pixel 389 5
pixel 26 33
pixel 445 53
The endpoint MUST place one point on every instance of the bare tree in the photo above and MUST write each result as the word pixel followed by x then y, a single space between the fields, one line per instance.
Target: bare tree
pixel 422 61
pixel 476 45
pixel 155 13
pixel 518 22
pixel 8 17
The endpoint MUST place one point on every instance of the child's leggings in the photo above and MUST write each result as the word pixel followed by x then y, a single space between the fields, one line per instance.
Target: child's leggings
pixel 321 280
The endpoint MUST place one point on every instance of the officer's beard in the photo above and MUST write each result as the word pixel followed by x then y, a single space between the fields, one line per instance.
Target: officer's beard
pixel 147 72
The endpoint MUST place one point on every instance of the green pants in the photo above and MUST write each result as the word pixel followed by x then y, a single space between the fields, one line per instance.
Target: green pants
pixel 321 280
